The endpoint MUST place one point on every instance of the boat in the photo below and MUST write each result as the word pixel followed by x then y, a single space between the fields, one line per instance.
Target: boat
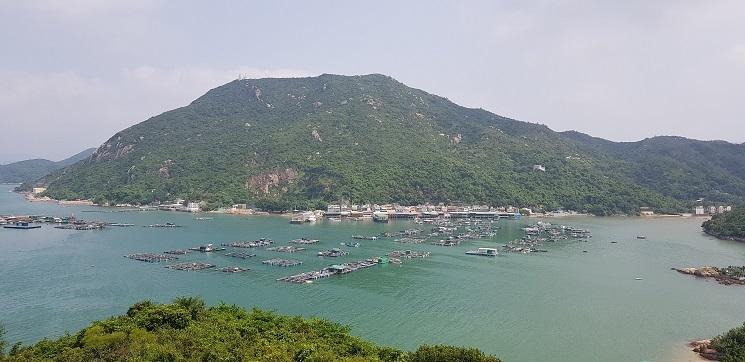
pixel 203 218
pixel 297 220
pixel 484 252
pixel 22 226
pixel 641 237
pixel 638 278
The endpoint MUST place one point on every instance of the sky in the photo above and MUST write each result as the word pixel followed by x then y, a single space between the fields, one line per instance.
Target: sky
pixel 74 72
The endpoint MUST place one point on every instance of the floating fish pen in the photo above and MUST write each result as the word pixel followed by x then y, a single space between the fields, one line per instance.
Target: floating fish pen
pixel 408 254
pixel 250 244
pixel 91 226
pixel 337 269
pixel 177 252
pixel 117 224
pixel 303 241
pixel 286 249
pixel 408 240
pixel 240 255
pixel 447 243
pixel 151 258
pixel 282 262
pixel 190 266
pixel 362 237
pixel 334 253
pixel 206 248
pixel 166 225
pixel 233 269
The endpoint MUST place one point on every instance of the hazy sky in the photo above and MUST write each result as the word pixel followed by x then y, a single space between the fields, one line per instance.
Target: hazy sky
pixel 74 72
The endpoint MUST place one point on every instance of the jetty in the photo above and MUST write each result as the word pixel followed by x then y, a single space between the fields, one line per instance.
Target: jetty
pixel 282 262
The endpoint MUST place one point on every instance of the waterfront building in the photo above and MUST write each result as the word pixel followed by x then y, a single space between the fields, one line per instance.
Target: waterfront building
pixel 699 210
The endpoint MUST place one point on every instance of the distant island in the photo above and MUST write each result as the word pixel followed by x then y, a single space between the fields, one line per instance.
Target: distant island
pixel 188 330
pixel 303 143
pixel 32 170
pixel 729 225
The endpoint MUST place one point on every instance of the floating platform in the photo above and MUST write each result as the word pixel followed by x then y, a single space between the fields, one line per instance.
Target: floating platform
pixel 190 266
pixel 286 249
pixel 150 257
pixel 282 262
pixel 240 255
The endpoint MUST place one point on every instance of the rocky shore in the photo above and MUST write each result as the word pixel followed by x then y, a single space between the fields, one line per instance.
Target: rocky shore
pixel 703 348
pixel 722 237
pixel 727 276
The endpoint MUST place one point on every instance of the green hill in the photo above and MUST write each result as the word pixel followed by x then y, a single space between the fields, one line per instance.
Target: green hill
pixel 729 225
pixel 302 142
pixel 31 170
pixel 186 330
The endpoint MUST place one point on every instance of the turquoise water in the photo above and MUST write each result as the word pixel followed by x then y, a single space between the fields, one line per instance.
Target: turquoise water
pixel 564 305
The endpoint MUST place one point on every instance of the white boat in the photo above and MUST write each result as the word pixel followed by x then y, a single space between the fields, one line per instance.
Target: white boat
pixel 484 252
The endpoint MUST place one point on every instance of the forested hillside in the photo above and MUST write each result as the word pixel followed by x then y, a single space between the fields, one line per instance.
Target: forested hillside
pixel 302 142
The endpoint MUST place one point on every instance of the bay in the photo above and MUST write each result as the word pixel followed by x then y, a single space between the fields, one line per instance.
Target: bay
pixel 564 305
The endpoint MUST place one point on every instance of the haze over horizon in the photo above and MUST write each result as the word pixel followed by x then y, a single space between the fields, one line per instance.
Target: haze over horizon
pixel 76 72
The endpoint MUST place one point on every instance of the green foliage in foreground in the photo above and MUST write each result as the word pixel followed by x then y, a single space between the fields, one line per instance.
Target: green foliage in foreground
pixel 187 330
pixel 731 345
pixel 730 224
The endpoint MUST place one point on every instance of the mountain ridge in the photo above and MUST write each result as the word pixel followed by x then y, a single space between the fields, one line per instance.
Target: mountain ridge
pixel 284 143
pixel 33 169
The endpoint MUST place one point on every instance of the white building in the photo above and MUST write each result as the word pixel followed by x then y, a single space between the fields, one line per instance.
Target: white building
pixel 720 209
pixel 38 190
pixel 729 208
pixel 193 207
pixel 712 210
pixel 699 210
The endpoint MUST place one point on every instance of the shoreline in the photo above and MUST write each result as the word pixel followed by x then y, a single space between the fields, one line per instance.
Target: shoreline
pixel 720 237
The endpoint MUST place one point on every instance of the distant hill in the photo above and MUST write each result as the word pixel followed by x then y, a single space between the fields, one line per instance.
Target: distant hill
pixel 302 142
pixel 30 170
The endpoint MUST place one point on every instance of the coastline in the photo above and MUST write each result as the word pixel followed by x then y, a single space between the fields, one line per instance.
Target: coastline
pixel 720 237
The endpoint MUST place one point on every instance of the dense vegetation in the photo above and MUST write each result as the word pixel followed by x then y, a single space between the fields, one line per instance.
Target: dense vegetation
pixel 729 225
pixel 295 143
pixel 731 345
pixel 31 170
pixel 186 330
